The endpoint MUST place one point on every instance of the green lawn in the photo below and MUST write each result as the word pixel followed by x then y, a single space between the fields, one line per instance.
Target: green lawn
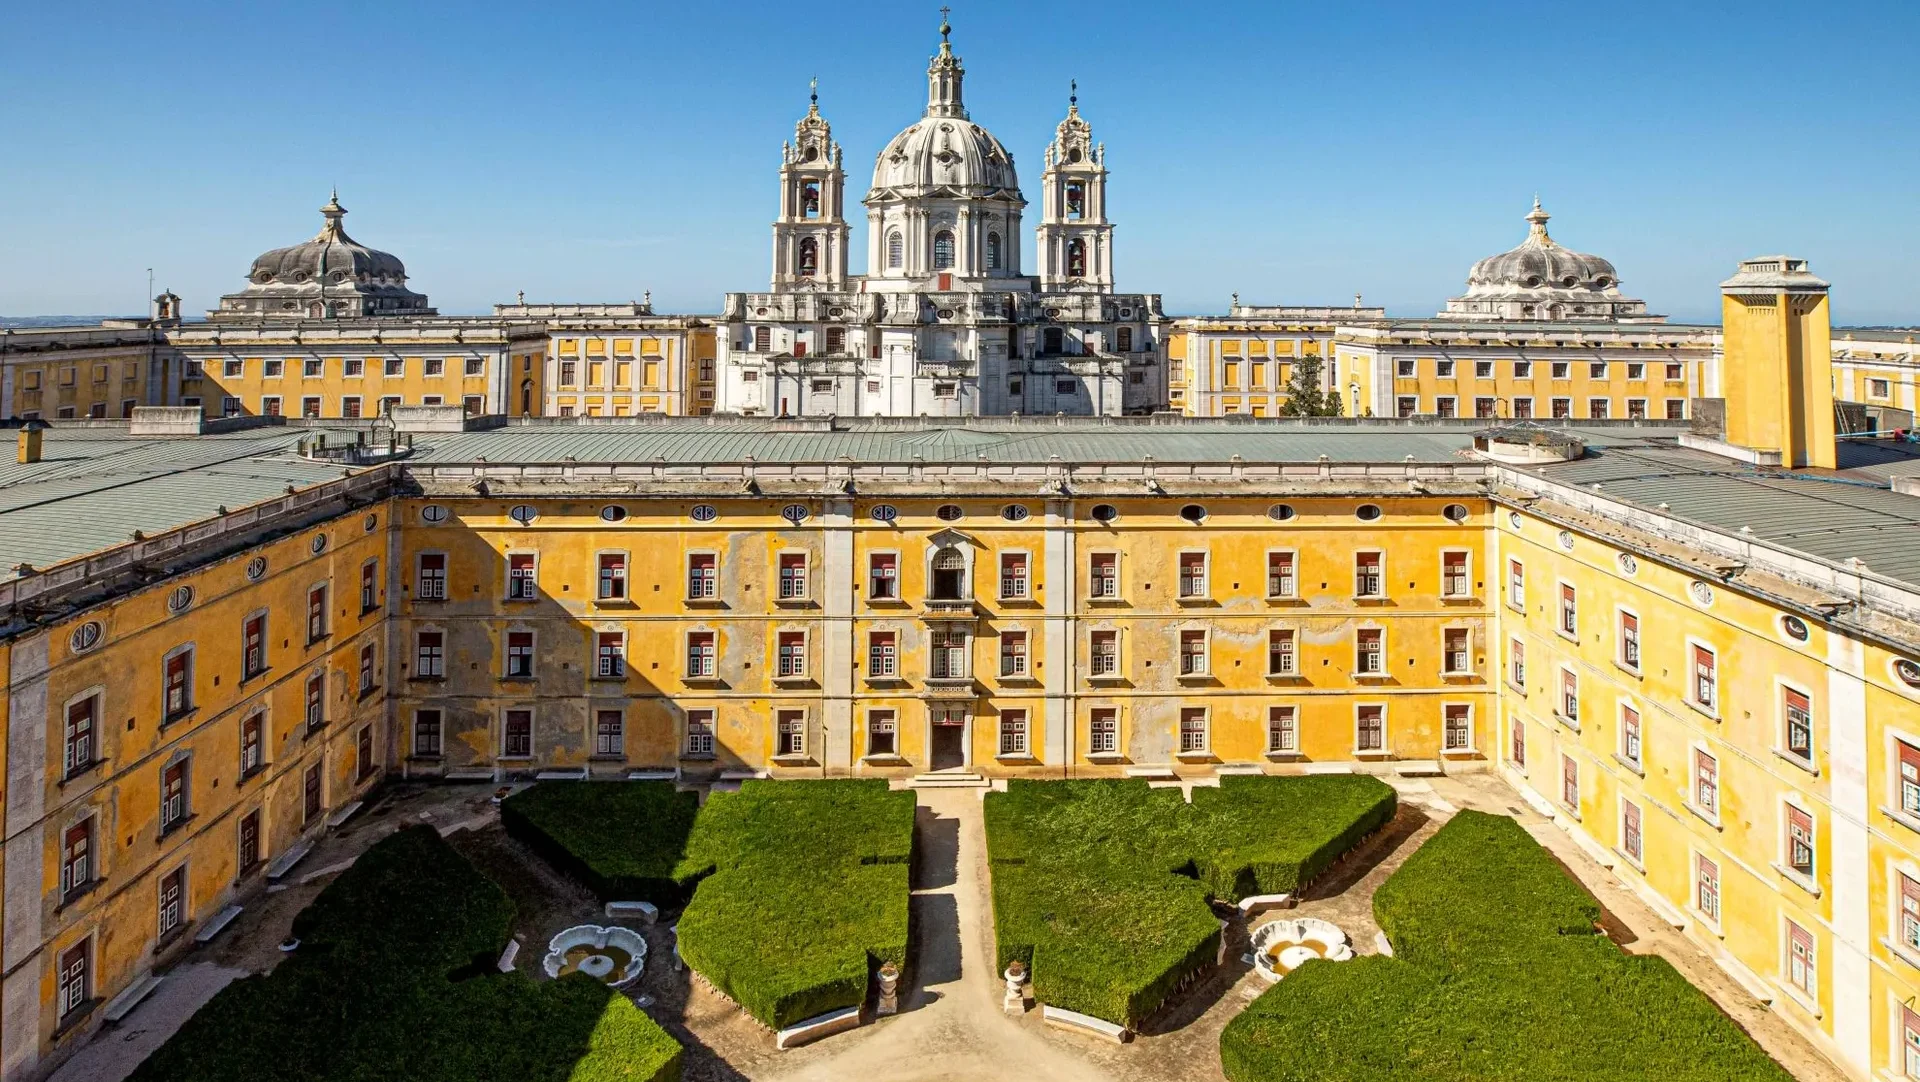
pixel 625 840
pixel 1500 973
pixel 395 980
pixel 1102 887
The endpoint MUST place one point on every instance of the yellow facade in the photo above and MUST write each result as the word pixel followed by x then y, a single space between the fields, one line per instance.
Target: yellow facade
pixel 620 366
pixel 1880 369
pixel 82 373
pixel 1778 348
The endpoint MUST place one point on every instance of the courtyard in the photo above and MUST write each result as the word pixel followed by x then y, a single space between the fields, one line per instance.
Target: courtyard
pixel 951 1024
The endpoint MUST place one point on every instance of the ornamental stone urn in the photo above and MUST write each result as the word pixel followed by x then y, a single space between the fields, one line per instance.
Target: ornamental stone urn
pixel 1017 999
pixel 889 990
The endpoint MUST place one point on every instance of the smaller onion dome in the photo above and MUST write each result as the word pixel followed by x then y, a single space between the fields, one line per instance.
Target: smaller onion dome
pixel 1544 280
pixel 329 277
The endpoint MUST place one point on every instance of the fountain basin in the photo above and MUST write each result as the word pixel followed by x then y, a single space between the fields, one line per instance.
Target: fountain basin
pixel 1282 946
pixel 612 955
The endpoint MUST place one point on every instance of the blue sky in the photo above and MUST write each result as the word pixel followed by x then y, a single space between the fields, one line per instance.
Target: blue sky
pixel 1295 153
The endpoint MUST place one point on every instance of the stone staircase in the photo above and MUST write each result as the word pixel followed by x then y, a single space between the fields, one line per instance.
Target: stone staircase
pixel 948 779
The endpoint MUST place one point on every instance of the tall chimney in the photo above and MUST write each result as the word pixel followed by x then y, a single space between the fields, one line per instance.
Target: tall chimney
pixel 30 437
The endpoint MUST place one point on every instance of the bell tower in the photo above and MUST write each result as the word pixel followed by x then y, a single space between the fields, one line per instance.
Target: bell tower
pixel 810 236
pixel 1075 238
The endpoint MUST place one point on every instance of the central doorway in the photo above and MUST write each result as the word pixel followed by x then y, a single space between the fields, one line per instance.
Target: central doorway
pixel 947 748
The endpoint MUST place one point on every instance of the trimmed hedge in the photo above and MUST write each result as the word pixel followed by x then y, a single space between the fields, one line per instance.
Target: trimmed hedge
pixel 804 893
pixel 1101 887
pixel 395 980
pixel 623 839
pixel 1500 972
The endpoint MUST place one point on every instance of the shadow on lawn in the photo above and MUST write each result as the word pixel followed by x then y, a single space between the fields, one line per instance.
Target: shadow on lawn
pixel 1355 866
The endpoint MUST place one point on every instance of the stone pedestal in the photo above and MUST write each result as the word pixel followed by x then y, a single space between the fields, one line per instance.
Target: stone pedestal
pixel 889 991
pixel 1018 998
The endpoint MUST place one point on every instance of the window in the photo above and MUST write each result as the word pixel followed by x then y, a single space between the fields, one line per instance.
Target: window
pixel 700 654
pixel 173 897
pixel 1103 731
pixel 1879 388
pixel 702 576
pixel 1562 408
pixel 1013 576
pixel 1630 734
pixel 1453 574
pixel 316 711
pixel 253 652
pixel 1013 733
pixel 1369 651
pixel 699 734
pixel 609 654
pixel 1597 408
pixel 369 586
pixel 520 576
pixel 426 734
pixel 1454 648
pixel 762 343
pixel 1796 710
pixel 519 655
pixel 896 250
pixel 949 646
pixel 1456 727
pixel 178 684
pixel 173 796
pixel 883 577
pixel 790 733
pixel 836 340
pixel 1283 732
pixel 1370 728
pixel 1281 581
pixel 1570 696
pixel 1105 661
pixel 1800 841
pixel 1705 685
pixel 1569 611
pixel 1706 783
pixel 1517 663
pixel 793 576
pixel 250 841
pixel 1630 840
pixel 429 653
pixel 1523 370
pixel 1193 730
pixel 883 657
pixel 253 738
pixel 790 649
pixel 312 368
pixel 229 406
pixel 1706 887
pixel 1637 409
pixel 1519 751
pixel 1445 406
pixel 1013 653
pixel 1560 369
pixel 1193 574
pixel 1406 406
pixel 1909 911
pixel 81 749
pixel 1281 658
pixel 1104 577
pixel 396 366
pixel 1367 578
pixel 1404 368
pixel 1516 585
pixel 1443 369
pixel 1675 373
pixel 943 250
pixel 76 859
pixel 1629 640
pixel 1523 407
pixel 1801 971
pixel 316 614
pixel 1909 757
pixel 472 405
pixel 613 576
pixel 1570 783
pixel 883 737
pixel 949 575
pixel 433 577
pixel 475 366
pixel 518 743
pixel 1193 653
pixel 76 977
pixel 270 369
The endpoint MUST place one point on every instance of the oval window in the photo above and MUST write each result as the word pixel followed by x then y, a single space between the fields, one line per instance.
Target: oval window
pixel 1513 519
pixel 1701 592
pixel 885 512
pixel 1566 540
pixel 433 512
pixel 256 568
pixel 1367 512
pixel 1014 512
pixel 1795 628
pixel 1628 564
pixel 1105 512
pixel 180 598
pixel 370 523
pixel 523 513
pixel 318 544
pixel 1193 512
pixel 613 512
pixel 795 513
pixel 1280 512
pixel 86 637
pixel 704 512
pixel 1455 512
pixel 948 512
pixel 1908 672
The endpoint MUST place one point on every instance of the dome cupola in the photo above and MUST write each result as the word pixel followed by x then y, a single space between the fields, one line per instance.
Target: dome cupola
pixel 944 150
pixel 331 276
pixel 1544 280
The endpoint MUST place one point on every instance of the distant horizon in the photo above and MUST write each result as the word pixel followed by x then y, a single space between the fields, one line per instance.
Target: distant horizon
pixel 1240 163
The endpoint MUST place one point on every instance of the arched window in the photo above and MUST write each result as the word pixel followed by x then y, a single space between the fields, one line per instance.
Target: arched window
pixel 943 250
pixel 1123 339
pixel 808 263
pixel 1076 201
pixel 810 198
pixel 1076 258
pixel 949 575
pixel 993 251
pixel 896 251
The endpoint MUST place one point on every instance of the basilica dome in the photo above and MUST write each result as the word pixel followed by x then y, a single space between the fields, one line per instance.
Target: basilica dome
pixel 330 276
pixel 1542 279
pixel 945 152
